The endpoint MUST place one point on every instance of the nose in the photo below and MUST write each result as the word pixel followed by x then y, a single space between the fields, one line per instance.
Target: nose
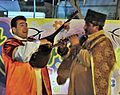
pixel 26 29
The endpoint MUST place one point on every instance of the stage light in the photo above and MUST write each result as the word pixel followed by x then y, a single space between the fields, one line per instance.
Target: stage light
pixel 25 0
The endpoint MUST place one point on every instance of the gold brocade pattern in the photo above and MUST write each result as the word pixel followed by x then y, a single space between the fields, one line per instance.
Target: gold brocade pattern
pixel 102 56
pixel 103 59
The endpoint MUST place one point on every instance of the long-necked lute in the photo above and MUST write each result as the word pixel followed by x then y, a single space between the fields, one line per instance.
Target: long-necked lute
pixel 41 57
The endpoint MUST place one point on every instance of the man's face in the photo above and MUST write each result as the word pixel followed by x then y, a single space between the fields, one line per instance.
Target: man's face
pixel 21 29
pixel 89 28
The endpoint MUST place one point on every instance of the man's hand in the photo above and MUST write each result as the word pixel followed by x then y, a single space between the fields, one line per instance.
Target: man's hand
pixel 74 40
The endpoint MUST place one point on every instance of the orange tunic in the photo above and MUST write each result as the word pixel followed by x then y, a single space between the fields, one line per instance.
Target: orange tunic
pixel 20 77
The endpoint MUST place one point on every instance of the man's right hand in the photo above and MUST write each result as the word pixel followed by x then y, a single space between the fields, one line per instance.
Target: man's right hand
pixel 74 40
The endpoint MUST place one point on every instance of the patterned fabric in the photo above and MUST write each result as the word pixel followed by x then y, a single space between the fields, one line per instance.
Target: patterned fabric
pixel 20 77
pixel 90 70
pixel 10 45
pixel 103 57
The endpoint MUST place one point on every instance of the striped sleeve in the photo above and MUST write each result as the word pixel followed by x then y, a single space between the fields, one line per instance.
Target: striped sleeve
pixel 10 45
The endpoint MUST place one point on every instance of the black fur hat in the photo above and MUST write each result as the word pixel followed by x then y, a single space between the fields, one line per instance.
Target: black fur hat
pixel 95 17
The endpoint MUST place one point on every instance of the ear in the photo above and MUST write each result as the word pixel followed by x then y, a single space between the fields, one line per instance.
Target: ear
pixel 13 30
pixel 97 27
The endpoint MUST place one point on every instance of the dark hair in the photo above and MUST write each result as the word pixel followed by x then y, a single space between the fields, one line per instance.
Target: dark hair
pixel 100 26
pixel 15 19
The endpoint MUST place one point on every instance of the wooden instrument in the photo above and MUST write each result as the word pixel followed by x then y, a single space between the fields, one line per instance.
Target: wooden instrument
pixel 40 58
pixel 52 36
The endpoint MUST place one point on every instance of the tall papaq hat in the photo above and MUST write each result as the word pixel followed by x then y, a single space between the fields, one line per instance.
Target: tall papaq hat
pixel 95 17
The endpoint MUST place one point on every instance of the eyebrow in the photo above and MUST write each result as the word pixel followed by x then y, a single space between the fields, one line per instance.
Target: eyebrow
pixel 22 23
